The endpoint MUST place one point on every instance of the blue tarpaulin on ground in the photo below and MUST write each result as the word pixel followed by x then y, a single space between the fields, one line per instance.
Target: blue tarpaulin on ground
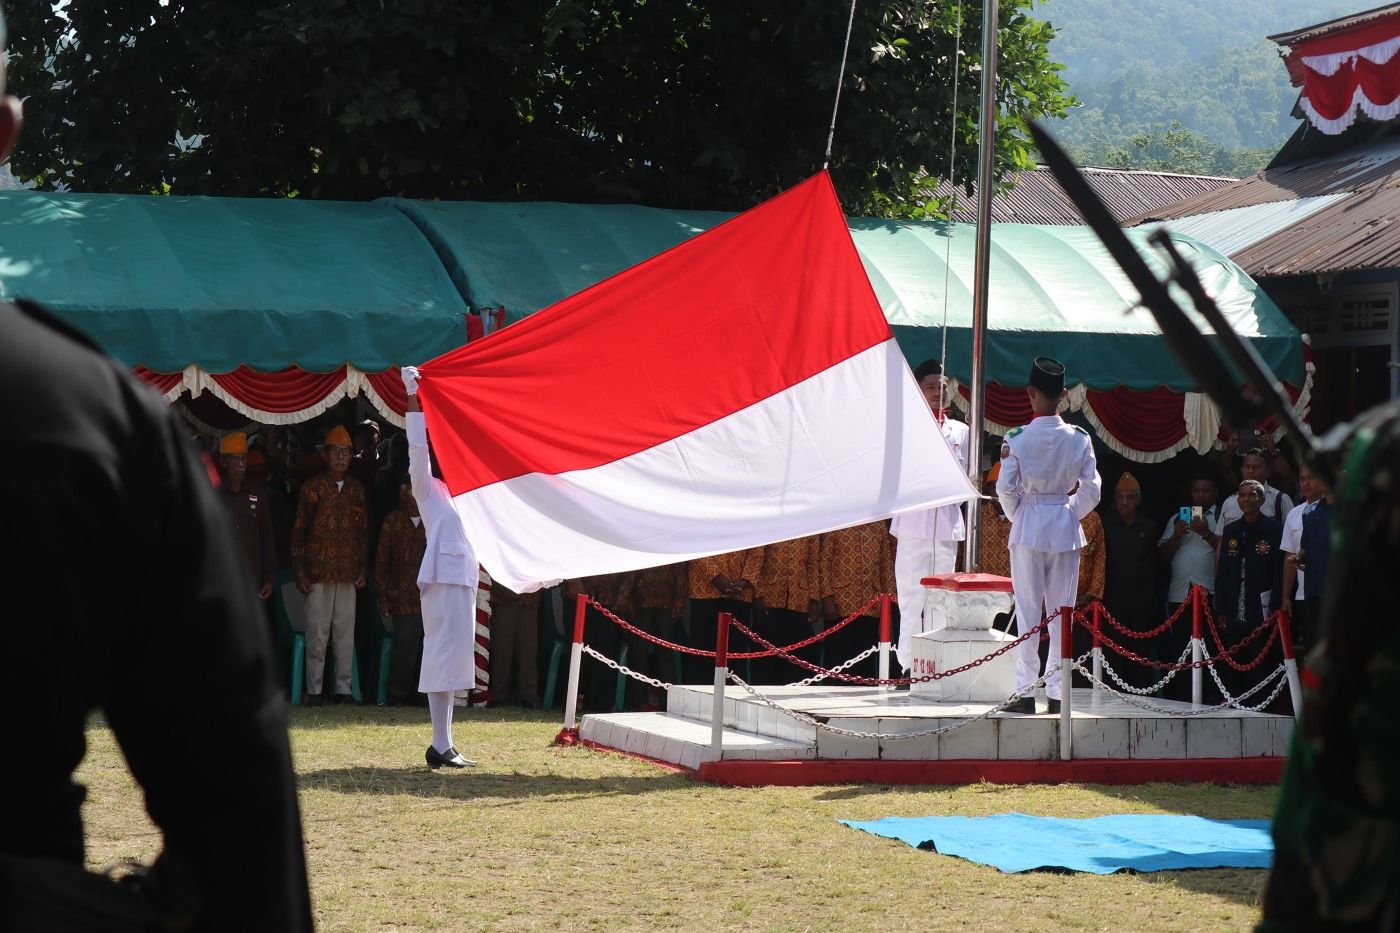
pixel 1014 842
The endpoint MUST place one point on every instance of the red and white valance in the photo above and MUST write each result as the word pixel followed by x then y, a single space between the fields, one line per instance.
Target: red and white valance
pixel 288 396
pixel 1350 72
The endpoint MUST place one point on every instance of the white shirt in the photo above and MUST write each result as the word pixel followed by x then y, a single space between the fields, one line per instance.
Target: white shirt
pixel 448 557
pixel 1292 540
pixel 1194 561
pixel 1040 464
pixel 944 523
pixel 1276 506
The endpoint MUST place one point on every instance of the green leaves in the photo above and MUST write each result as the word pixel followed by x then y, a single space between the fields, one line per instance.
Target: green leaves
pixel 682 104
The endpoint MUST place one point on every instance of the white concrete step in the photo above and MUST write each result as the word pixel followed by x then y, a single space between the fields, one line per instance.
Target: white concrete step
pixel 684 741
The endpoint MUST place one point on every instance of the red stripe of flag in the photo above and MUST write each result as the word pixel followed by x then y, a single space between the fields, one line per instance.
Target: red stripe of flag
pixel 704 330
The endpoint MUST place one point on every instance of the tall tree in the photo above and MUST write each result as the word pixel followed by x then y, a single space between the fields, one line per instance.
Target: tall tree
pixel 678 103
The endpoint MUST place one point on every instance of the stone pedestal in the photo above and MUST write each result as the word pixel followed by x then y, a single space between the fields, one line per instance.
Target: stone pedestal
pixel 967 603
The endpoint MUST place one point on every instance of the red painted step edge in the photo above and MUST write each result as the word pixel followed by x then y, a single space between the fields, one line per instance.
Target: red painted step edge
pixel 750 773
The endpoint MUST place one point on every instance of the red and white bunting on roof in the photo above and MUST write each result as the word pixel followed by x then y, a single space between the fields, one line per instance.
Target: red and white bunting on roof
pixel 741 388
pixel 1351 71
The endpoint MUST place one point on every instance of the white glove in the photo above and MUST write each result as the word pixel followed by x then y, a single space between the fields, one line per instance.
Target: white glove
pixel 410 379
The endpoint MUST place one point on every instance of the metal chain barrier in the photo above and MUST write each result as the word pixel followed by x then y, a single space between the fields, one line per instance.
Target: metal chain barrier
pixel 854 734
pixel 734 655
pixel 1225 652
pixel 845 665
pixel 636 675
pixel 1233 703
pixel 1151 633
pixel 883 681
pixel 1155 688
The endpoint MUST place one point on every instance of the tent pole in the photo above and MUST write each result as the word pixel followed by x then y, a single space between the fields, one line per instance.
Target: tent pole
pixel 982 276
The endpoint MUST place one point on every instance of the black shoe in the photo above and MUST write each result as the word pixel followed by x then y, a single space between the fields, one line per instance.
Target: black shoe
pixel 449 758
pixel 313 699
pixel 1021 706
pixel 1052 707
pixel 344 699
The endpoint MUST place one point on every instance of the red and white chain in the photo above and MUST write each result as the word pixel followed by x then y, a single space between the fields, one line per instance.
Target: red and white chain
pixel 635 675
pixel 847 665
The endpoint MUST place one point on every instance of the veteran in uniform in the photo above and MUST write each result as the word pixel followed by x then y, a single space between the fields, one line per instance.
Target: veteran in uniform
pixel 926 542
pixel 1048 483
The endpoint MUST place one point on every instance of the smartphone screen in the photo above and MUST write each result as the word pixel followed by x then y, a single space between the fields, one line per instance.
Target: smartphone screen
pixel 1185 513
pixel 1197 512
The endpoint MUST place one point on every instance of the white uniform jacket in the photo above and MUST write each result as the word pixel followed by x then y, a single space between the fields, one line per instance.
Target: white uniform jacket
pixel 944 523
pixel 1040 465
pixel 448 557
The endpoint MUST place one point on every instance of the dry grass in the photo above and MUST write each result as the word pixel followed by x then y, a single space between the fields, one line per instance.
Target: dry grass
pixel 539 837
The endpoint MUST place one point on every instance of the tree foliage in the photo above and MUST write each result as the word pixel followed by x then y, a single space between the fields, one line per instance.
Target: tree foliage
pixel 676 103
pixel 1145 72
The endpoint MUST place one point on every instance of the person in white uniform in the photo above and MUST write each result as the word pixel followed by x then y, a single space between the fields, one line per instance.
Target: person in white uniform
pixel 447 581
pixel 1049 481
pixel 926 542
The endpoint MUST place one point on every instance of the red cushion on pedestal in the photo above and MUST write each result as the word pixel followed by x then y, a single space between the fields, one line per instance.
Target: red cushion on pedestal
pixel 968 582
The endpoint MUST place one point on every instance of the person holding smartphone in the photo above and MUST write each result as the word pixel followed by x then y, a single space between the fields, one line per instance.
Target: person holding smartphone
pixel 1187 546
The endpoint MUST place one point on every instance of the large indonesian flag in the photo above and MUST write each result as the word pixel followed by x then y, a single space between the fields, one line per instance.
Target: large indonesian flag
pixel 738 389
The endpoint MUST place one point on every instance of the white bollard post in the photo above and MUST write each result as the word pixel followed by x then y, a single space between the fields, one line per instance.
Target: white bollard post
pixel 885 638
pixel 721 677
pixel 1290 665
pixel 575 660
pixel 1198 645
pixel 1066 679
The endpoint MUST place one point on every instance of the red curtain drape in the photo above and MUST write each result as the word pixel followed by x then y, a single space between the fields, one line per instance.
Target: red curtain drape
pixel 389 387
pixel 1146 421
pixel 162 382
pixel 1008 407
pixel 283 392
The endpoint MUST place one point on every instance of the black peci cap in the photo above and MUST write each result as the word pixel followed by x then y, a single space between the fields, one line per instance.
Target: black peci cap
pixel 1048 376
pixel 930 367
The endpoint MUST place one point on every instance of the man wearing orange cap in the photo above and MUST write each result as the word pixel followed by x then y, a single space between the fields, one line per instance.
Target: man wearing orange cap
pixel 252 520
pixel 330 554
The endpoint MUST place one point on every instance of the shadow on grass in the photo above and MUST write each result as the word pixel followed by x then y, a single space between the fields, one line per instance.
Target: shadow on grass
pixel 477 785
pixel 1239 885
pixel 334 717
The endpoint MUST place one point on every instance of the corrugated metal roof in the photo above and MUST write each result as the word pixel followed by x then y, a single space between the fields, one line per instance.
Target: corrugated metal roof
pixel 1036 198
pixel 1354 228
pixel 1232 230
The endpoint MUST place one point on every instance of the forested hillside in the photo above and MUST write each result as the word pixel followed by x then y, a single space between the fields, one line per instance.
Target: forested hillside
pixel 1184 85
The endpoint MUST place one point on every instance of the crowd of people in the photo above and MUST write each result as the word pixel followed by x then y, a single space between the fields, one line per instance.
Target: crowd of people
pixel 336 523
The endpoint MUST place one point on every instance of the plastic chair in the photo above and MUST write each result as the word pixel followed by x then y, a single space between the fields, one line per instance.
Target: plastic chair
pixel 556 658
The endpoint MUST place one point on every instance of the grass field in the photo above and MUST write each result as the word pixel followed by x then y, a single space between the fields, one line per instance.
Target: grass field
pixel 539 837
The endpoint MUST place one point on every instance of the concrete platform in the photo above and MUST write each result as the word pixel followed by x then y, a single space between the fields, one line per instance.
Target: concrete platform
pixel 1148 745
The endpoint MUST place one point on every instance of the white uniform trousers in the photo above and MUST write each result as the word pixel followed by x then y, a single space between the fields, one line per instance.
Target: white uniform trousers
pixel 914 559
pixel 1041 582
pixel 449 637
pixel 330 616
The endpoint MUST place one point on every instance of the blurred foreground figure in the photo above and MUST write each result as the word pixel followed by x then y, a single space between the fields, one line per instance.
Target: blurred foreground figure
pixel 127 593
pixel 1337 825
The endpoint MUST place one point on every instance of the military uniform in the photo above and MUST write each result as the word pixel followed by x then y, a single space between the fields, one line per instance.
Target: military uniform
pixel 128 569
pixel 1048 482
pixel 926 543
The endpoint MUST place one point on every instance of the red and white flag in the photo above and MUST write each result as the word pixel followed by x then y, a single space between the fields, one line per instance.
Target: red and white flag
pixel 738 389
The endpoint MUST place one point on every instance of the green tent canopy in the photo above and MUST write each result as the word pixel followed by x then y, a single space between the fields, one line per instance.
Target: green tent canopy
pixel 218 283
pixel 1054 289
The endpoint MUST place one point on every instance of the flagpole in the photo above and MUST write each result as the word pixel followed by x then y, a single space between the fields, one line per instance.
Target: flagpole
pixel 981 276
